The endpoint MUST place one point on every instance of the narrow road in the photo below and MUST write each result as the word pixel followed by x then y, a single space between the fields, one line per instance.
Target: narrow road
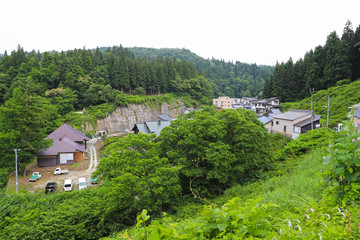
pixel 93 156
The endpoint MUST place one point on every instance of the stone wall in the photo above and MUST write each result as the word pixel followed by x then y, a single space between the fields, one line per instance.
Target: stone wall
pixel 126 117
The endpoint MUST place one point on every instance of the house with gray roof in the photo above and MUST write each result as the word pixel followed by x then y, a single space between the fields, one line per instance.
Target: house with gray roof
pixel 264 105
pixel 267 121
pixel 295 122
pixel 150 127
pixel 68 146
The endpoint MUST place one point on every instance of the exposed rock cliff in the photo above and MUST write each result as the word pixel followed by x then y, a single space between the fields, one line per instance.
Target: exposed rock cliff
pixel 126 117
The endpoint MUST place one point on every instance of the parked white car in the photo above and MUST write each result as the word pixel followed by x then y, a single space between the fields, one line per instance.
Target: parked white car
pixel 82 184
pixel 68 185
pixel 59 171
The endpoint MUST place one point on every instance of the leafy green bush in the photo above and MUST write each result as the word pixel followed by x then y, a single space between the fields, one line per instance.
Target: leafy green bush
pixel 317 138
pixel 344 158
pixel 87 214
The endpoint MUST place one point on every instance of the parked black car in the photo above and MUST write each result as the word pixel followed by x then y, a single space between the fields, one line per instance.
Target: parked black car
pixel 50 187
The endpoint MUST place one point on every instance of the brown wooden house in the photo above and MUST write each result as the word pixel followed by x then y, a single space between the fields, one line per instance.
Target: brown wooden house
pixel 68 147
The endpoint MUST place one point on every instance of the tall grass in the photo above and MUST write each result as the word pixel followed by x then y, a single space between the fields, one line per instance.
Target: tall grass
pixel 298 188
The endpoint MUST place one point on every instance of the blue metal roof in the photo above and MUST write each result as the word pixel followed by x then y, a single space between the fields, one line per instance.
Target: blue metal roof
pixel 264 119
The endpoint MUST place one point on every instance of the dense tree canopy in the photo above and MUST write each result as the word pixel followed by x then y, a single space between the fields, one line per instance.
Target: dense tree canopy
pixel 25 120
pixel 320 68
pixel 95 77
pixel 214 149
pixel 136 176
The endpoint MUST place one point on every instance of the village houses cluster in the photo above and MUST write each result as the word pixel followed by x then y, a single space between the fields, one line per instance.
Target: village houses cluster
pixel 291 123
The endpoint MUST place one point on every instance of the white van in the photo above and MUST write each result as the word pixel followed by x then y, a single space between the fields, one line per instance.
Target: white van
pixel 82 184
pixel 68 185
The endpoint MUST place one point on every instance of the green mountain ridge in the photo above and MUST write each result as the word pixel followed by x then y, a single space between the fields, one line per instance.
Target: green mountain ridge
pixel 227 78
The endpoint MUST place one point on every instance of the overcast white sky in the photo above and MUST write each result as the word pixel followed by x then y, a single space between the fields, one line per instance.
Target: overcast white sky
pixel 251 31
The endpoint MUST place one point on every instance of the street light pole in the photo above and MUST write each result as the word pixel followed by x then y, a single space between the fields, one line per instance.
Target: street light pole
pixel 16 170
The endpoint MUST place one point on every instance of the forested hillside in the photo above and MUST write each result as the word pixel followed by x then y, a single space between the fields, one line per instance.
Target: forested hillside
pixel 96 77
pixel 230 79
pixel 321 68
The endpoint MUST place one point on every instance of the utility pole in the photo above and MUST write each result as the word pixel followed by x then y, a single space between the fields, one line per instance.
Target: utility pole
pixel 312 113
pixel 16 170
pixel 328 110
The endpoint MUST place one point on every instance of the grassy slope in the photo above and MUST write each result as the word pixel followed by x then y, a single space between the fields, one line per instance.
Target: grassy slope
pixel 341 97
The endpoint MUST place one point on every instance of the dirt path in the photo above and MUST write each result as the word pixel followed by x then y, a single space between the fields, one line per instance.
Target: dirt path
pixel 93 157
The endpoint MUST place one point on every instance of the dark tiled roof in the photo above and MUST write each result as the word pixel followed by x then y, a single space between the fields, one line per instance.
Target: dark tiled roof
pixel 69 132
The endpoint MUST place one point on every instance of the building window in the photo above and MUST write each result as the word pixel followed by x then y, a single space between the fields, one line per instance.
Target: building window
pixel 284 128
pixel 277 122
